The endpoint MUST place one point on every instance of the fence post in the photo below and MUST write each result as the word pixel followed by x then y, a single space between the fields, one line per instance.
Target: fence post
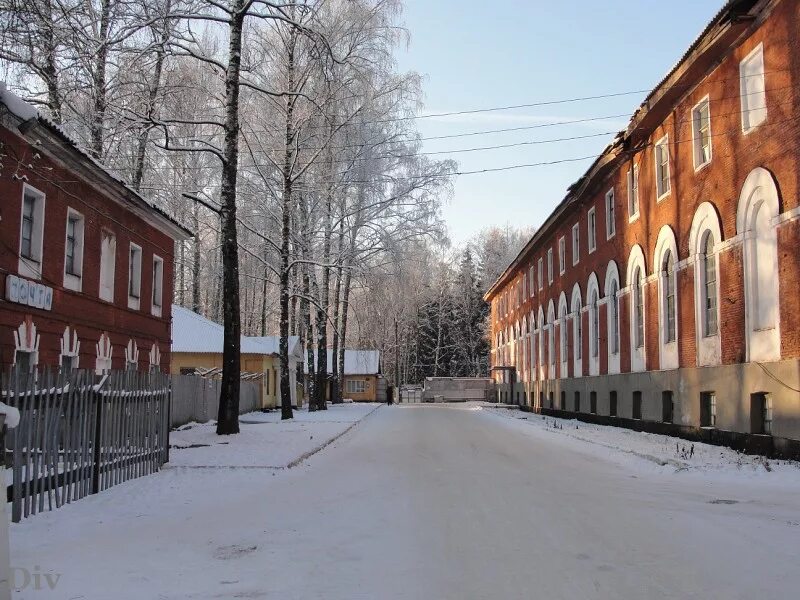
pixel 5 552
pixel 169 381
pixel 98 430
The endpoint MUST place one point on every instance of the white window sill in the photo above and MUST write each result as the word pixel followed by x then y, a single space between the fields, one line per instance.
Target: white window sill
pixel 133 303
pixel 633 218
pixel 73 282
pixel 156 311
pixel 30 268
pixel 663 196
pixel 702 166
pixel 753 127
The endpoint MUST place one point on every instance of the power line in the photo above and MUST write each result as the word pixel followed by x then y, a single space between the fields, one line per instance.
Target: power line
pixel 486 132
pixel 678 122
pixel 498 169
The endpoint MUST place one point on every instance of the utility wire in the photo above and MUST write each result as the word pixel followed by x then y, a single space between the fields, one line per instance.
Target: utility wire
pixel 391 180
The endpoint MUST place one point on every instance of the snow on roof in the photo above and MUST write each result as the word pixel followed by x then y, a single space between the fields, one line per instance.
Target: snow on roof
pixel 194 333
pixel 356 362
pixel 271 343
pixel 25 112
pixel 11 414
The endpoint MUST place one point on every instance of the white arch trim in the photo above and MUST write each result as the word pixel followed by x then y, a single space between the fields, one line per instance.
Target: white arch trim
pixel 759 187
pixel 666 241
pixel 705 219
pixel 635 259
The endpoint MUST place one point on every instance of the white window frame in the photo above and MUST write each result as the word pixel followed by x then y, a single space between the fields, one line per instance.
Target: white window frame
pixel 540 273
pixel 74 280
pixel 611 215
pixel 745 100
pixel 591 229
pixel 134 276
pixel 532 280
pixel 697 143
pixel 352 388
pixel 31 266
pixel 662 189
pixel 108 266
pixel 633 193
pixel 157 295
pixel 562 255
pixel 550 266
pixel 576 244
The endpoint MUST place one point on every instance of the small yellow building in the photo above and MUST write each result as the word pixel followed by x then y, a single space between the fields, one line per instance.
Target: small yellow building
pixel 197 344
pixel 363 381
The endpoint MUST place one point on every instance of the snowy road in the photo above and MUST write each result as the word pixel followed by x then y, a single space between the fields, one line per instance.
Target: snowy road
pixel 431 503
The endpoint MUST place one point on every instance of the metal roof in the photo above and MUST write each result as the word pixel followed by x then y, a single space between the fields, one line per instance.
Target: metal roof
pixel 356 362
pixel 29 116
pixel 193 333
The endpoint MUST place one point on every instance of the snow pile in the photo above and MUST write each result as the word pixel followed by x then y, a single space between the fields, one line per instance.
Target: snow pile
pixel 264 441
pixel 12 415
pixel 666 452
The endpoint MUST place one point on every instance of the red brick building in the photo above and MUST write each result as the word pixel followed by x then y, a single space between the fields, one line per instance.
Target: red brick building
pixel 665 287
pixel 86 263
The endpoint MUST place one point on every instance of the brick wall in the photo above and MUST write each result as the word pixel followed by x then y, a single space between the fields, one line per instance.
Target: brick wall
pixel 773 145
pixel 82 311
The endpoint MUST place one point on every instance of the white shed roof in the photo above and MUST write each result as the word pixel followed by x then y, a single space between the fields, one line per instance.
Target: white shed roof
pixel 356 362
pixel 194 333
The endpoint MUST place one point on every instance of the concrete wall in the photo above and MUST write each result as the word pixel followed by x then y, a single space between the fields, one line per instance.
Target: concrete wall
pixel 457 389
pixel 732 385
pixel 197 399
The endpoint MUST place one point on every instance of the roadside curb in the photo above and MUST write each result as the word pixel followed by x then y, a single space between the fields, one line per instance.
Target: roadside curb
pixel 310 453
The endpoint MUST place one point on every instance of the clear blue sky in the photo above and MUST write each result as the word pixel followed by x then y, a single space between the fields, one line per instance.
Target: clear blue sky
pixel 477 54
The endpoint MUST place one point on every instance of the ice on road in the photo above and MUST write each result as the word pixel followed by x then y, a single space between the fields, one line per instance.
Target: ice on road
pixel 428 503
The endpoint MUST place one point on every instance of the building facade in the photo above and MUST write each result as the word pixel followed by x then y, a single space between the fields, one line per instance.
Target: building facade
pixel 362 380
pixel 86 263
pixel 197 343
pixel 664 287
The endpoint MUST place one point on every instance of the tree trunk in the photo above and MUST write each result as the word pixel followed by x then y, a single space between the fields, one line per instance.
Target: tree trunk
pixel 286 205
pixel 345 310
pixel 49 69
pixel 97 125
pixel 324 295
pixel 336 396
pixel 152 97
pixel 228 417
pixel 196 261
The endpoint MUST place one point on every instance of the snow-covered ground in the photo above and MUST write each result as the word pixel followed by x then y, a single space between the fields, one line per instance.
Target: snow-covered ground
pixel 264 440
pixel 418 502
pixel 656 452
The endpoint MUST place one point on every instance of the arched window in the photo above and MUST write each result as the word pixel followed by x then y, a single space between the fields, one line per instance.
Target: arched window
pixel 668 292
pixel 764 270
pixel 541 339
pixel 759 207
pixel 594 318
pixel 613 317
pixel 551 338
pixel 709 287
pixel 578 326
pixel 638 308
